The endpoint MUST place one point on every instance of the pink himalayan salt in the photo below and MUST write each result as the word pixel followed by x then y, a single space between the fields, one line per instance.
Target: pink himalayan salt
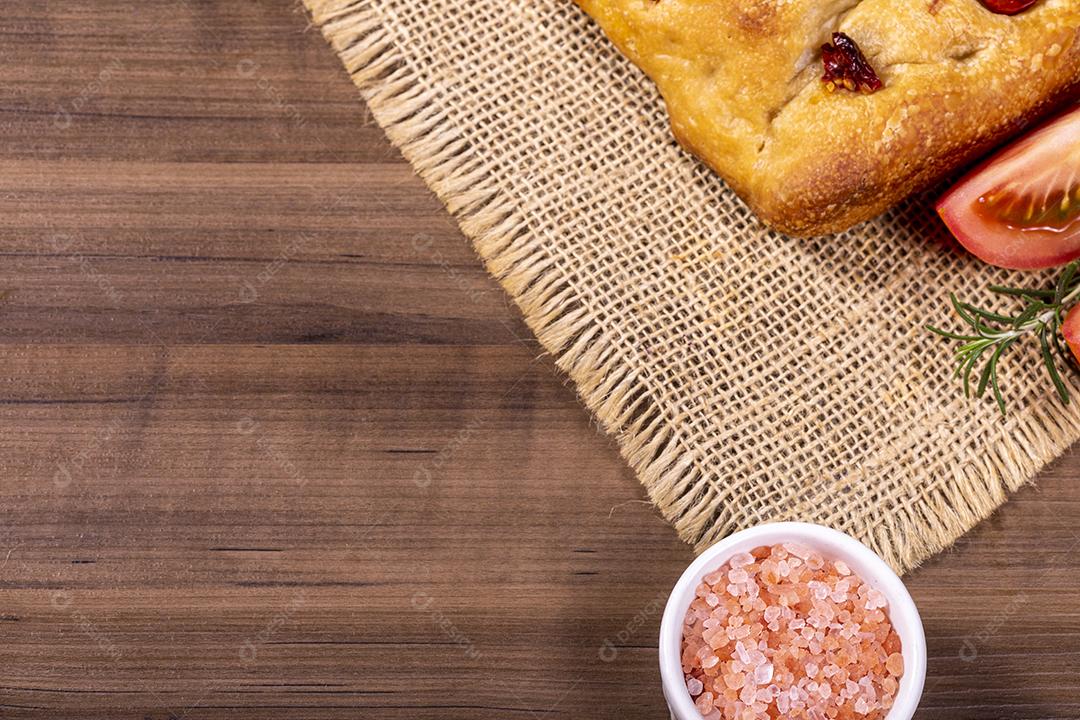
pixel 811 641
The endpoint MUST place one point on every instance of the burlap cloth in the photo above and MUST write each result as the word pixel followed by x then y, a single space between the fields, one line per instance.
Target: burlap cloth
pixel 747 376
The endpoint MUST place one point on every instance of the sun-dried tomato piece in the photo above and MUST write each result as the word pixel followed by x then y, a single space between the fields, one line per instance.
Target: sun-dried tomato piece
pixel 845 66
pixel 1008 7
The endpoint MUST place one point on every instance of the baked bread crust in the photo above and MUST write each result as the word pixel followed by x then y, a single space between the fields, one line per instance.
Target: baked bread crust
pixel 741 80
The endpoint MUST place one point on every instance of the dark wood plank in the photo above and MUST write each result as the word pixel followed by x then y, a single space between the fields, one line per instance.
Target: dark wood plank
pixel 274 446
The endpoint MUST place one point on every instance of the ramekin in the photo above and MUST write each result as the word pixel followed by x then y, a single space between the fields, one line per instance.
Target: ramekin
pixel 833 545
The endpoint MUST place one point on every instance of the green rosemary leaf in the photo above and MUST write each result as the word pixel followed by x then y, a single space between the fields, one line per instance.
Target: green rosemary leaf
pixel 967 368
pixel 985 375
pixel 1022 292
pixel 972 346
pixel 997 391
pixel 992 365
pixel 1064 282
pixel 976 321
pixel 1051 368
pixel 987 314
pixel 949 335
pixel 962 312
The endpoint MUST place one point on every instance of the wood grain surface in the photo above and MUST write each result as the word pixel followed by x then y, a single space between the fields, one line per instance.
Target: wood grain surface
pixel 274 446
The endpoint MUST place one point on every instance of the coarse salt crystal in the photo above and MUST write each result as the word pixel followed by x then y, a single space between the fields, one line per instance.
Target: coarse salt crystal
pixel 895 664
pixel 763 673
pixel 799 551
pixel 739 560
pixel 705 702
pixel 875 599
pixel 783 703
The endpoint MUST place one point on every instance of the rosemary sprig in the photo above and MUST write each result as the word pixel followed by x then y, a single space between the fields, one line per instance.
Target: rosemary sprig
pixel 990 333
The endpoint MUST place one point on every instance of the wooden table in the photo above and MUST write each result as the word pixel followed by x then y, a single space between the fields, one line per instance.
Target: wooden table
pixel 274 446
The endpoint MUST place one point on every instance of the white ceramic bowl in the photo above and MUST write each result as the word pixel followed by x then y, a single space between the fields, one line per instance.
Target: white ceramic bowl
pixel 830 543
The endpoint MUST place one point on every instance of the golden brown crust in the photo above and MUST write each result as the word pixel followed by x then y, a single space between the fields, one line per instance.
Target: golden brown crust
pixel 741 79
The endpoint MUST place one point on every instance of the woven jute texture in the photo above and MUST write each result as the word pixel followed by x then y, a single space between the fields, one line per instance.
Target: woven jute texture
pixel 747 377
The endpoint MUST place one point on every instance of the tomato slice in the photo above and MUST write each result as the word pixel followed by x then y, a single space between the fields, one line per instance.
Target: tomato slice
pixel 1070 330
pixel 1021 208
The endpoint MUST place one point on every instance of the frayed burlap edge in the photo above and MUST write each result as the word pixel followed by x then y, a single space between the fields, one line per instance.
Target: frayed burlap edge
pixel 411 115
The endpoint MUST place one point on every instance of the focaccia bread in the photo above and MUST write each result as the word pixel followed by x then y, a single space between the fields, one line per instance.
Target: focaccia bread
pixel 742 83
